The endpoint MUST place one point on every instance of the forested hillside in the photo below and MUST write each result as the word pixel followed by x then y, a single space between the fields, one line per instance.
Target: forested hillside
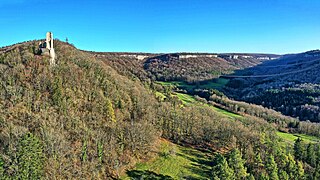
pixel 214 97
pixel 80 114
pixel 289 85
pixel 92 117
pixel 192 68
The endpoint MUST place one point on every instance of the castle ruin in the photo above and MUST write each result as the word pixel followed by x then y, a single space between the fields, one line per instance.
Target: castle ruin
pixel 46 48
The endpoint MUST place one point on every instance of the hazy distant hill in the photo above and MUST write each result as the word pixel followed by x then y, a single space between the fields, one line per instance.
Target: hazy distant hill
pixel 187 67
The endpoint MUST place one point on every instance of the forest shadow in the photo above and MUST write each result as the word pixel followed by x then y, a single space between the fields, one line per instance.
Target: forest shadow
pixel 201 164
pixel 143 175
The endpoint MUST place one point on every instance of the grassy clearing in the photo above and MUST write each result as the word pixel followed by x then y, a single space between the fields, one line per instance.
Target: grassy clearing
pixel 179 84
pixel 170 83
pixel 227 113
pixel 290 138
pixel 214 84
pixel 174 162
pixel 188 99
pixel 308 137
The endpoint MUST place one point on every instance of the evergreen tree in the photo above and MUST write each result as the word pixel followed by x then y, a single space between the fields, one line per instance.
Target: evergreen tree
pixel 300 171
pixel 298 149
pixel 2 175
pixel 263 176
pixel 251 177
pixel 291 167
pixel 258 163
pixel 311 155
pixel 30 157
pixel 237 164
pixel 272 168
pixel 282 160
pixel 221 169
pixel 283 175
pixel 110 111
pixel 57 94
pixel 316 174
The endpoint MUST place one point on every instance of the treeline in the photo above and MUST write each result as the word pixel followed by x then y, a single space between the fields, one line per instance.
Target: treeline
pixel 217 98
pixel 270 162
pixel 284 123
pixel 269 115
pixel 246 148
pixel 280 166
pixel 302 101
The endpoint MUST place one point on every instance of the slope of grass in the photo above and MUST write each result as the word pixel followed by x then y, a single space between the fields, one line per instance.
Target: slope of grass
pixel 169 83
pixel 225 112
pixel 213 84
pixel 290 138
pixel 308 137
pixel 174 162
pixel 188 99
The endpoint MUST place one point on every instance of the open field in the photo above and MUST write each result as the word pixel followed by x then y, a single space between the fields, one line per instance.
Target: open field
pixel 215 84
pixel 187 99
pixel 212 84
pixel 173 162
pixel 290 138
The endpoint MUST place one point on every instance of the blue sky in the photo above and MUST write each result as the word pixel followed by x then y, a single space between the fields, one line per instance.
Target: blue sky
pixel 267 26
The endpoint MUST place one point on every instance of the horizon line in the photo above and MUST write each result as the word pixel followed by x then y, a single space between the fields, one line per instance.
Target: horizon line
pixel 170 52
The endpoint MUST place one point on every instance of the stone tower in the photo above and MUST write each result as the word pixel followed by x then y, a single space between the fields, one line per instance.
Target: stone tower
pixel 47 48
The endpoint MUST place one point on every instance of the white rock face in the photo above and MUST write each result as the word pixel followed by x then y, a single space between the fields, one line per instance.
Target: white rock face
pixel 196 56
pixel 263 58
pixel 139 57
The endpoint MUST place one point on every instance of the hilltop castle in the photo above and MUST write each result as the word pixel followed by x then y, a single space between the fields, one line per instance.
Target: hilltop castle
pixel 46 48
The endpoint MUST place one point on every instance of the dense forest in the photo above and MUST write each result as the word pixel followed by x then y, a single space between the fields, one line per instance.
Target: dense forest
pixel 299 101
pixel 93 117
pixel 295 93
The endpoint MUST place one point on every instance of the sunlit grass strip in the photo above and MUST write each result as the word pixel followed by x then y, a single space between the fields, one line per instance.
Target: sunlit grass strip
pixel 290 138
